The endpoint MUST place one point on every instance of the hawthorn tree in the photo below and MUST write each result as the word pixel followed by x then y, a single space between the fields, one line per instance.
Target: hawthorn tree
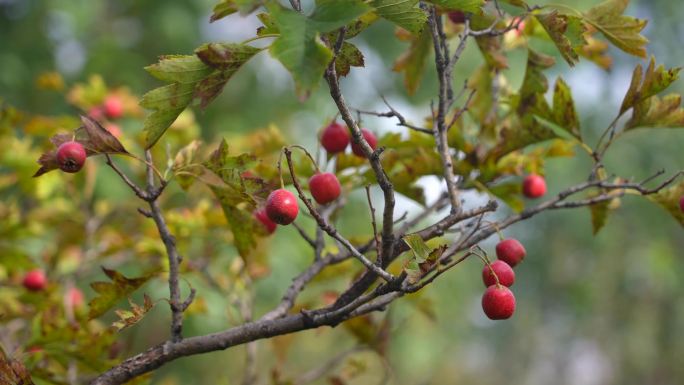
pixel 482 136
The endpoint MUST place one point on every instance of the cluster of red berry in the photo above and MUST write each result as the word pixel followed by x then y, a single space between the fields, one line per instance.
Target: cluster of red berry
pixel 281 205
pixel 36 281
pixel 498 301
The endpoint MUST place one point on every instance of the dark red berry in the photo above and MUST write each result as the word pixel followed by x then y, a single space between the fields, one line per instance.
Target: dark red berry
pixel 681 203
pixel 324 187
pixel 498 302
pixel 503 271
pixel 534 186
pixel 71 156
pixel 282 207
pixel 113 107
pixel 35 280
pixel 510 251
pixel 262 217
pixel 335 138
pixel 456 17
pixel 370 138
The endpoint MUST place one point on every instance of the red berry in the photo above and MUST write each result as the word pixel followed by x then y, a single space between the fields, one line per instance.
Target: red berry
pixel 71 156
pixel 456 17
pixel 370 138
pixel 681 203
pixel 113 107
pixel 324 187
pixel 534 186
pixel 335 138
pixel 35 280
pixel 114 129
pixel 498 302
pixel 96 113
pixel 503 271
pixel 75 297
pixel 282 207
pixel 510 251
pixel 262 217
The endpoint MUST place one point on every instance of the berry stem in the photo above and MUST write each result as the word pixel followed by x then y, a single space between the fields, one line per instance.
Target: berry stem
pixel 307 154
pixel 280 168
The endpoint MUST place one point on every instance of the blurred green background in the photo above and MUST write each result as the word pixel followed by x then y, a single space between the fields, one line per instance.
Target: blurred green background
pixel 591 310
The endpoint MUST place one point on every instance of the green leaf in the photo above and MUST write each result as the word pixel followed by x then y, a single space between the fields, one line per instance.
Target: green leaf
pixel 349 56
pixel 109 293
pixel 669 200
pixel 299 47
pixel 643 86
pixel 472 6
pixel 202 76
pixel 131 317
pixel 566 32
pixel 622 31
pixel 421 251
pixel 564 113
pixel 599 215
pixel 658 112
pixel 228 7
pixel 490 46
pixel 403 13
pixel 412 63
pixel 184 165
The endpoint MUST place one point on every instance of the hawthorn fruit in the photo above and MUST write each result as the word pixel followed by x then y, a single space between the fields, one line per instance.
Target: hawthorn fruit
pixel 335 138
pixel 510 251
pixel 113 107
pixel 324 187
pixel 498 302
pixel 502 270
pixel 534 186
pixel 370 138
pixel 282 207
pixel 681 204
pixel 262 217
pixel 35 280
pixel 71 156
pixel 456 17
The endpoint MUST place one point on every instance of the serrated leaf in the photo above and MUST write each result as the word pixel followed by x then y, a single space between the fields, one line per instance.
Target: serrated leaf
pixel 657 112
pixel 403 13
pixel 566 32
pixel 128 318
pixel 564 113
pixel 109 293
pixel 299 47
pixel 472 6
pixel 596 51
pixel 202 76
pixel 412 62
pixel 228 7
pixel 349 56
pixel 420 249
pixel 184 164
pixel 643 86
pixel 669 200
pixel 623 31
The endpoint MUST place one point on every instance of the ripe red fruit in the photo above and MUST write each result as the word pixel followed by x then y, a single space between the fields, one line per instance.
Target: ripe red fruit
pixel 370 138
pixel 498 302
pixel 75 298
pixel 534 186
pixel 456 17
pixel 324 187
pixel 510 251
pixel 35 280
pixel 503 271
pixel 113 107
pixel 71 156
pixel 681 203
pixel 335 138
pixel 282 207
pixel 262 217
